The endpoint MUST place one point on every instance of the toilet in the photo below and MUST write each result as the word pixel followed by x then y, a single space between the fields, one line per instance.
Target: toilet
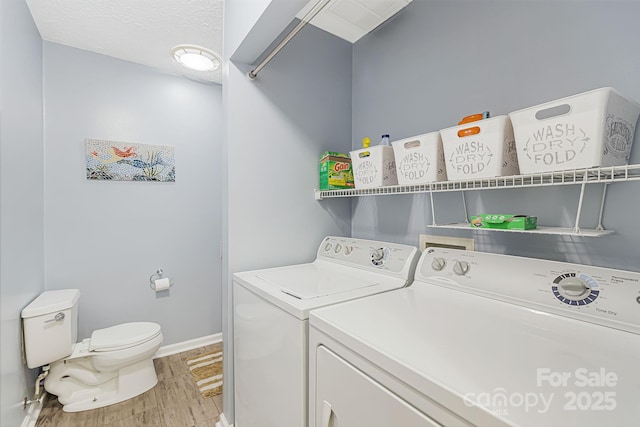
pixel 112 366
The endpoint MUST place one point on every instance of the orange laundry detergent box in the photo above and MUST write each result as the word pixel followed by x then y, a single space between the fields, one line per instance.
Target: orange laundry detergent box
pixel 336 171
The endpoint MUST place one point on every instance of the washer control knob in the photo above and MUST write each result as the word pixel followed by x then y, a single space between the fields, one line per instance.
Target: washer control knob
pixel 574 287
pixel 327 246
pixel 461 268
pixel 347 250
pixel 379 256
pixel 438 263
pixel 338 248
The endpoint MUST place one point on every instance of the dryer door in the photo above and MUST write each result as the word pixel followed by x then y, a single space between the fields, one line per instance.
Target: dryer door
pixel 345 397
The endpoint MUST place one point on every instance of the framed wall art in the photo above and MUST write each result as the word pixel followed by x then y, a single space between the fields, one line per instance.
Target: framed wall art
pixel 126 161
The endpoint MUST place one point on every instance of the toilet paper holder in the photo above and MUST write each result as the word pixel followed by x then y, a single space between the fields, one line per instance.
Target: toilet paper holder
pixel 156 276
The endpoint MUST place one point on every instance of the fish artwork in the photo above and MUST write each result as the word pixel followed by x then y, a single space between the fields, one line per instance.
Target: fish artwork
pixel 119 161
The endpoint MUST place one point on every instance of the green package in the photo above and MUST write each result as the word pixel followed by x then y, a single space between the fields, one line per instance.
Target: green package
pixel 505 222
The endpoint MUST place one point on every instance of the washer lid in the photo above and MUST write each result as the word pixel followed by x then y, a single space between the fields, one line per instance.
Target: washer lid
pixel 301 288
pixel 310 281
pixel 123 336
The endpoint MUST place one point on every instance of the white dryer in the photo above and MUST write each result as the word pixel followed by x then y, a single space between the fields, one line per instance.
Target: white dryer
pixel 482 340
pixel 270 313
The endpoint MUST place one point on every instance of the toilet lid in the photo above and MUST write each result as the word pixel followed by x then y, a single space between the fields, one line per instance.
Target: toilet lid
pixel 123 336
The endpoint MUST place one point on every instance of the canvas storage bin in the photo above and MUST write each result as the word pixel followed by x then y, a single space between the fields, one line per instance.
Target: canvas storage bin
pixel 373 167
pixel 590 129
pixel 480 149
pixel 419 159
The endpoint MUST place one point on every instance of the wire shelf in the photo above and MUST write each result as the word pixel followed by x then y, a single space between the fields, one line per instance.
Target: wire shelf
pixel 562 231
pixel 569 177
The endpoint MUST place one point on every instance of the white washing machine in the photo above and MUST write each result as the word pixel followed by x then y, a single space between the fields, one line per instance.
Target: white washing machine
pixel 270 313
pixel 482 340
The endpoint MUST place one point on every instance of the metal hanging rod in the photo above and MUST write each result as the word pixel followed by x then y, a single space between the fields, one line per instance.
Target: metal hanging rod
pixel 305 20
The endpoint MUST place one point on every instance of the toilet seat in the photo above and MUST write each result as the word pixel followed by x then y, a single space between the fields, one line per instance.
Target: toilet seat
pixel 123 336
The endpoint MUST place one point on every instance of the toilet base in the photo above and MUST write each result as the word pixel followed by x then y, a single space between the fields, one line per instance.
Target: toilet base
pixel 129 381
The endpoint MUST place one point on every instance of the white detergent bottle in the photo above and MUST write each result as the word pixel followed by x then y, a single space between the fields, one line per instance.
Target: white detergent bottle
pixel 385 140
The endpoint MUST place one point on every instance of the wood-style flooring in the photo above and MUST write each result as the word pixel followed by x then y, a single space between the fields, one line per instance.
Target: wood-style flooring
pixel 174 402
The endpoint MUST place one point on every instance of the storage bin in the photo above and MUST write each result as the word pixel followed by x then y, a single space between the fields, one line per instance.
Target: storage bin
pixel 590 129
pixel 480 149
pixel 419 159
pixel 374 167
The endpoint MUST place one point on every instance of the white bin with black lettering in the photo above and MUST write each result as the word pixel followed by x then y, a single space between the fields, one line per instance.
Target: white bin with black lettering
pixel 374 167
pixel 591 129
pixel 420 159
pixel 480 149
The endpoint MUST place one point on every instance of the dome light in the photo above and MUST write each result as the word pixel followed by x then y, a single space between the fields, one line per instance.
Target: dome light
pixel 196 58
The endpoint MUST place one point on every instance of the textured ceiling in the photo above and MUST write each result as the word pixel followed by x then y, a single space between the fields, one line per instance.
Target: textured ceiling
pixel 141 31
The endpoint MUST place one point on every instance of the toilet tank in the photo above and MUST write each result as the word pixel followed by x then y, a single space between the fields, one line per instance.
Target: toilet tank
pixel 50 326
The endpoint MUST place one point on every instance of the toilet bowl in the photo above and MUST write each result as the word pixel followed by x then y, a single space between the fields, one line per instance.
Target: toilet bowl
pixel 99 375
pixel 112 366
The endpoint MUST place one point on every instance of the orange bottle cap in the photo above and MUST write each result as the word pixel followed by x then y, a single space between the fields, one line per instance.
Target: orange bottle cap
pixel 471 118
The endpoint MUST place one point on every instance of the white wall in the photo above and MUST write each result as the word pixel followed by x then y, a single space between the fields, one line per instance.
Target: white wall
pixel 273 160
pixel 276 129
pixel 21 196
pixel 251 26
pixel 106 238
pixel 239 17
pixel 439 61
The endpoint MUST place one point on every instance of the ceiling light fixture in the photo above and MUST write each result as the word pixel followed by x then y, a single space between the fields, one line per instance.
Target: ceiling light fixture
pixel 195 57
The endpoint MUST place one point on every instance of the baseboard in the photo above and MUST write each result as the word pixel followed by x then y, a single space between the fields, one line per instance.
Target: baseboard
pixel 32 414
pixel 223 422
pixel 168 350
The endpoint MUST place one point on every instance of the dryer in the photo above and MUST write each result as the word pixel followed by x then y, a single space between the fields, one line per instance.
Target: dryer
pixel 270 312
pixel 482 339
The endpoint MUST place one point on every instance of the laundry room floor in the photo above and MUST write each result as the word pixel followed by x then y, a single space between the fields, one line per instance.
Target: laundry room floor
pixel 174 402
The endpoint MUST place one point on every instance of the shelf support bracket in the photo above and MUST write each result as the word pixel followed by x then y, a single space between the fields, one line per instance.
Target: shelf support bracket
pixel 433 209
pixel 464 205
pixel 576 228
pixel 604 194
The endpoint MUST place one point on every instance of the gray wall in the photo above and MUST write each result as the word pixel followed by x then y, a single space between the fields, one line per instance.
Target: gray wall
pixel 276 128
pixel 438 61
pixel 21 195
pixel 106 238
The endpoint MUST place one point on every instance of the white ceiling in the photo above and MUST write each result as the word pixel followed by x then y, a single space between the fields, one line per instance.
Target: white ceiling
pixel 352 19
pixel 141 31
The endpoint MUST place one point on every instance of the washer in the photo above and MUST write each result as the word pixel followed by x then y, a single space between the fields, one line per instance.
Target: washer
pixel 270 313
pixel 484 340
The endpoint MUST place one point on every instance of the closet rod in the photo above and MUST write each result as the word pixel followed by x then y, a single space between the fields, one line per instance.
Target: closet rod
pixel 305 20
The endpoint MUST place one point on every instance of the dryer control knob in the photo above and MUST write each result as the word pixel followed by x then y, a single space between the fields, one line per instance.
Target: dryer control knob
pixel 461 268
pixel 438 263
pixel 338 248
pixel 574 288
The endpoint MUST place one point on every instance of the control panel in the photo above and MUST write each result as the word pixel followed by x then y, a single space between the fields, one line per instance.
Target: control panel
pixel 370 254
pixel 600 295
